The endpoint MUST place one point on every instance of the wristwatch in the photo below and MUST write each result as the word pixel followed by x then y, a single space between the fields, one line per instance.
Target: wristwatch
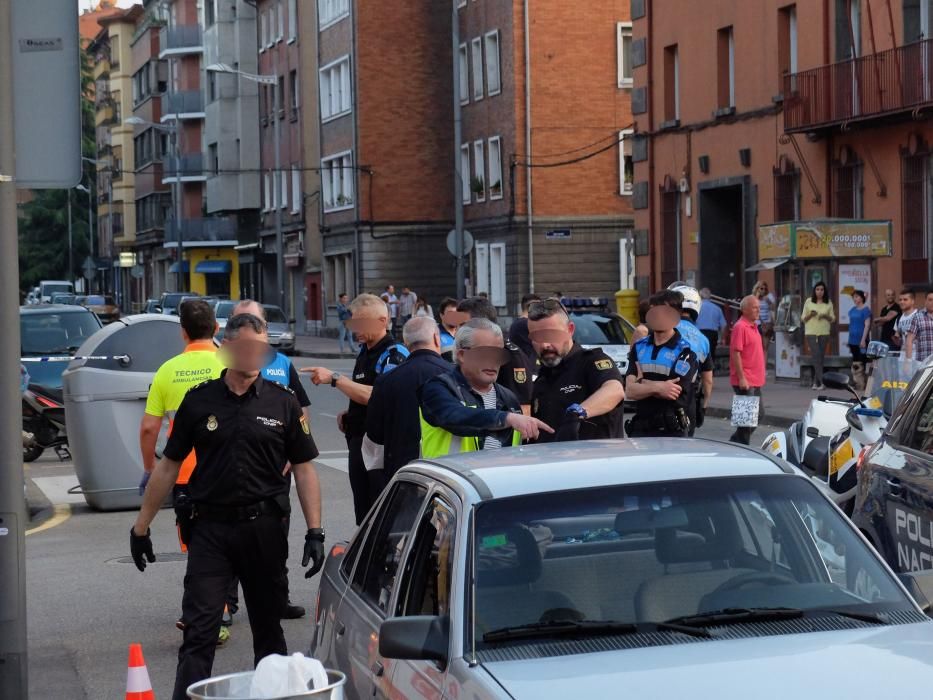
pixel 577 410
pixel 334 377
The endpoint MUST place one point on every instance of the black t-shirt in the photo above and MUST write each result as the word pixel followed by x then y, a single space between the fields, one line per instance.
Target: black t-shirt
pixel 242 443
pixel 518 374
pixel 654 405
pixel 365 371
pixel 579 375
pixel 888 328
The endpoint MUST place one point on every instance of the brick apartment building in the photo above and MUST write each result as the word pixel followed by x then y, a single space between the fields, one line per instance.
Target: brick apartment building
pixel 752 114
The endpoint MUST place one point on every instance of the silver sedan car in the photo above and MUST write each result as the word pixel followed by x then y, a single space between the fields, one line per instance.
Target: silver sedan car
pixel 653 568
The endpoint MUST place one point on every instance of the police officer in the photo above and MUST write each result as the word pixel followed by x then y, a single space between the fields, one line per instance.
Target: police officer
pixel 244 431
pixel 661 373
pixel 699 343
pixel 379 355
pixel 578 391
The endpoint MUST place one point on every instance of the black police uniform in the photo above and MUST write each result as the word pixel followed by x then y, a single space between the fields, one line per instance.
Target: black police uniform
pixel 674 359
pixel 382 358
pixel 240 509
pixel 518 374
pixel 579 375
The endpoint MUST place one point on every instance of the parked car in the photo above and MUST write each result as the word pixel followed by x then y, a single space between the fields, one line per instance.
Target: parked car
pixel 281 329
pixel 170 300
pixel 597 326
pixel 64 298
pixel 52 330
pixel 222 311
pixel 152 307
pixel 49 287
pixel 103 305
pixel 553 571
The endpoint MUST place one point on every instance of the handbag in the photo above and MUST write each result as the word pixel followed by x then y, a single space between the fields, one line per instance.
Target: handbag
pixel 745 411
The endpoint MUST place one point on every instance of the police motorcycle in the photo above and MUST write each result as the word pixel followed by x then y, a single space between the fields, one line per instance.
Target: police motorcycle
pixel 866 419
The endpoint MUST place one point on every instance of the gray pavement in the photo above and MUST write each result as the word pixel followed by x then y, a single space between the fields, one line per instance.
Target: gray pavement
pixel 87 602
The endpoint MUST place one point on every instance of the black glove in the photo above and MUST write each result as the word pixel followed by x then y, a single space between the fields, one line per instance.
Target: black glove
pixel 569 428
pixel 141 546
pixel 314 551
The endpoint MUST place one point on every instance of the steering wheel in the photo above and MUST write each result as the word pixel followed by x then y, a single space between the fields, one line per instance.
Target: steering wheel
pixel 752 577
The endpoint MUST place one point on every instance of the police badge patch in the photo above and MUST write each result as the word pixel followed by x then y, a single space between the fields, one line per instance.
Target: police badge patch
pixel 212 423
pixel 304 425
pixel 521 376
pixel 603 364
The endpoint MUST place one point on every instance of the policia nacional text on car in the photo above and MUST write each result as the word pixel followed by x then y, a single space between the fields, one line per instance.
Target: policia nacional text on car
pixel 661 373
pixel 244 431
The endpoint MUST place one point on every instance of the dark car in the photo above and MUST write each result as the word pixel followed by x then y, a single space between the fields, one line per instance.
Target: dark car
pixel 170 302
pixel 894 500
pixel 53 330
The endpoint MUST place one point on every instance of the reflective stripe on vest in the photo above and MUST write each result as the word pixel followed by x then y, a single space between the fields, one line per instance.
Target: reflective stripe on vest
pixel 437 442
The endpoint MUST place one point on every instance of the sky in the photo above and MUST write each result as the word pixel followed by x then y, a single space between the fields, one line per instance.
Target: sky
pixel 84 4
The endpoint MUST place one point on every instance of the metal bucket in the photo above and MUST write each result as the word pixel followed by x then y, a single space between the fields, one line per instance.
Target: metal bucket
pixel 236 686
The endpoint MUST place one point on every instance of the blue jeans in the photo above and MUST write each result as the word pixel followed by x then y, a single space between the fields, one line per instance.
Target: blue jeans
pixel 344 334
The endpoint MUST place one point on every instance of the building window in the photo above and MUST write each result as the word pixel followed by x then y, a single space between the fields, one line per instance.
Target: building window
pixel 340 277
pixel 671 83
pixel 213 160
pixel 786 194
pixel 464 75
pixel 917 17
pixel 280 21
pixel 332 11
pixel 262 32
pixel 624 51
pixel 266 191
pixel 335 89
pixel 626 164
pixel 477 55
pixel 283 189
pixel 478 183
pixel 915 204
pixel 491 272
pixel 465 172
pixel 292 20
pixel 297 196
pixel 670 237
pixel 495 168
pixel 337 181
pixel 210 12
pixel 725 61
pixel 848 29
pixel 847 191
pixel 211 86
pixel 493 73
pixel 787 44
pixel 293 91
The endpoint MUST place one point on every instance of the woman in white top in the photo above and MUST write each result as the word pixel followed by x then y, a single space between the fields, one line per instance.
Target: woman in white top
pixel 766 316
pixel 423 308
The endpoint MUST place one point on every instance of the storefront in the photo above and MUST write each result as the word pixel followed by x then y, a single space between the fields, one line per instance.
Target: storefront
pixel 840 253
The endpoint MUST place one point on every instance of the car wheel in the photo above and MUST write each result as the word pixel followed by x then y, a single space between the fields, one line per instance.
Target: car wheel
pixel 32 453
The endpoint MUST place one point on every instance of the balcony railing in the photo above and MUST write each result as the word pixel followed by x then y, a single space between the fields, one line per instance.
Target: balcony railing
pixel 899 80
pixel 187 166
pixel 185 38
pixel 184 102
pixel 199 231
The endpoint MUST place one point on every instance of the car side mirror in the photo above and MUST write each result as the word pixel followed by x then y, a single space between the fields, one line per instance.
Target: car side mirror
pixel 813 432
pixel 156 309
pixel 415 638
pixel 920 586
pixel 836 380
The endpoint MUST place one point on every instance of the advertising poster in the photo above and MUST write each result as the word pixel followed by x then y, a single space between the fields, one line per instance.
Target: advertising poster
pixel 786 356
pixel 851 277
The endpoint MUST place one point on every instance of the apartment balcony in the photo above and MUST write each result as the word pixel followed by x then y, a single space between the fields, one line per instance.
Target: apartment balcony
pixel 181 40
pixel 189 167
pixel 185 104
pixel 889 85
pixel 200 233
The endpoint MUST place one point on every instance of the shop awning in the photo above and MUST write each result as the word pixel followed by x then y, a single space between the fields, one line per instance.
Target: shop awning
pixel 213 267
pixel 174 267
pixel 767 264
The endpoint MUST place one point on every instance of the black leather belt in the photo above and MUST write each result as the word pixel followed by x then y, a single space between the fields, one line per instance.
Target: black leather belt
pixel 229 514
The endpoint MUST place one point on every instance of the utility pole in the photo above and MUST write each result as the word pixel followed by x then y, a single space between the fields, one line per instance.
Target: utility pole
pixel 458 137
pixel 71 260
pixel 13 649
pixel 277 185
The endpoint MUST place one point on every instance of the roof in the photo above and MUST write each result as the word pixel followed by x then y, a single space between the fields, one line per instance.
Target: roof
pixel 600 463
pixel 50 308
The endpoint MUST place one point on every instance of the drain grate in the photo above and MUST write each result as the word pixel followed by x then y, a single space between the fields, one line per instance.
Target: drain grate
pixel 161 558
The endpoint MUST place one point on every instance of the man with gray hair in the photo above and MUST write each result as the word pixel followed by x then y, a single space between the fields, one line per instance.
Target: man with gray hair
pixel 393 425
pixel 465 410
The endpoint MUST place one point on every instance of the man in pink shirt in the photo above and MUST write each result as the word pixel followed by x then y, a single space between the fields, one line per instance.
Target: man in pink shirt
pixel 746 360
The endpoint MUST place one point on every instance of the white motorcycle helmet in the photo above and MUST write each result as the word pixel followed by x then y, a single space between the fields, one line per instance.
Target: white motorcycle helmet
pixel 692 299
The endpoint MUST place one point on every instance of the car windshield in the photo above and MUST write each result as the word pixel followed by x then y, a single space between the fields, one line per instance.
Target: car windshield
pixel 274 315
pixel 600 329
pixel 97 300
pixel 53 334
pixel 650 553
pixel 224 309
pixel 49 289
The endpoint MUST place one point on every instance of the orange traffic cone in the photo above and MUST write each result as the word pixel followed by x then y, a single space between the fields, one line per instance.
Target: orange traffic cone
pixel 138 685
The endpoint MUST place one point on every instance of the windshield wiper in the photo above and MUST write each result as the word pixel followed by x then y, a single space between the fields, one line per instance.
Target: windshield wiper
pixel 732 616
pixel 875 618
pixel 561 628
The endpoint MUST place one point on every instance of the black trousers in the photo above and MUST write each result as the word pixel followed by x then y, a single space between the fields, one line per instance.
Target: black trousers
pixel 744 435
pixel 363 496
pixel 713 338
pixel 233 594
pixel 254 551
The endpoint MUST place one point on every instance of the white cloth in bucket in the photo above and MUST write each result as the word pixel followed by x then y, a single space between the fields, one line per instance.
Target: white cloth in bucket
pixel 280 676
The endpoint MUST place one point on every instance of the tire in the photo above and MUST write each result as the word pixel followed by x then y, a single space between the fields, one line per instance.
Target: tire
pixel 32 453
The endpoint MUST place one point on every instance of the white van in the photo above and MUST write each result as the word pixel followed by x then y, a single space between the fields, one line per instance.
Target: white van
pixel 49 287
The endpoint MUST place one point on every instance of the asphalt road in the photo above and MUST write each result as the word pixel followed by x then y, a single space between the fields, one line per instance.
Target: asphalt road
pixel 87 602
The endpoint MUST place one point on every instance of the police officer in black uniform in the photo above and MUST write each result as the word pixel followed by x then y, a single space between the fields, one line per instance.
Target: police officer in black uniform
pixel 379 355
pixel 661 373
pixel 244 430
pixel 516 375
pixel 579 392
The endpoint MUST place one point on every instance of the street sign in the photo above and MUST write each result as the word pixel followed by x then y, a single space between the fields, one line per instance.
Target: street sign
pixel 452 242
pixel 558 233
pixel 127 259
pixel 89 268
pixel 137 272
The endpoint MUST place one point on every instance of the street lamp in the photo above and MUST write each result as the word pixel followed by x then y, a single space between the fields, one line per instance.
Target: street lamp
pixel 277 179
pixel 176 186
pixel 71 265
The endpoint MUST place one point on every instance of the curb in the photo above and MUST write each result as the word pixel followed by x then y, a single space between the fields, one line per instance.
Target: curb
pixel 39 508
pixel 770 419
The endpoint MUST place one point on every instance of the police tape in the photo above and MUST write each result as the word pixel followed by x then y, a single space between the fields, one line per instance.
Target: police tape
pixel 69 358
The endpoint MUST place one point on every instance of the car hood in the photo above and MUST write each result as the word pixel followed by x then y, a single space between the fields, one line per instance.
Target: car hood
pixel 890 661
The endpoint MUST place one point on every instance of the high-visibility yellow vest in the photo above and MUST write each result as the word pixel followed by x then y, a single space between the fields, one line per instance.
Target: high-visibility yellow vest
pixel 437 442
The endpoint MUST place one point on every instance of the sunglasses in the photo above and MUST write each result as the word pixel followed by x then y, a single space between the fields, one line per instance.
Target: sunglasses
pixel 546 307
pixel 489 355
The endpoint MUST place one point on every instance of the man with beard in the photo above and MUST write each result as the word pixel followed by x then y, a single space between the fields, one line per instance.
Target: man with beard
pixel 578 392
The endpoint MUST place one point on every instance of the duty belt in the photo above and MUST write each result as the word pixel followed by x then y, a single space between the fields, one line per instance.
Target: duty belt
pixel 229 514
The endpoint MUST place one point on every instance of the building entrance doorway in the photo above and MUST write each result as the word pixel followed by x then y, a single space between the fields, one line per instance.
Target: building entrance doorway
pixel 722 239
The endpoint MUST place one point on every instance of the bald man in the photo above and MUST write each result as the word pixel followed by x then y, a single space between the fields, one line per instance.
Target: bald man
pixel 747 360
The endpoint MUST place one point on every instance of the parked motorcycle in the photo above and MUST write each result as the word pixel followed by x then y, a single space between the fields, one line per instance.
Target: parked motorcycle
pixel 44 423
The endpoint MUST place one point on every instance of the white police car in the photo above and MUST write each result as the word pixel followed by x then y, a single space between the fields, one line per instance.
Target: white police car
pixel 598 327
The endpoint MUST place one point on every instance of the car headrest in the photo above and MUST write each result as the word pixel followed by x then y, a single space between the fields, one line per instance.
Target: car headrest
pixel 650 519
pixel 507 556
pixel 675 546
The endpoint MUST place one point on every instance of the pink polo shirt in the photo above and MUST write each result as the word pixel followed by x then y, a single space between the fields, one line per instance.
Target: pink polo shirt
pixel 746 340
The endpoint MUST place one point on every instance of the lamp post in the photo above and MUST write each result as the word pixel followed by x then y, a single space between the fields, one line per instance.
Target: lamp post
pixel 272 80
pixel 176 185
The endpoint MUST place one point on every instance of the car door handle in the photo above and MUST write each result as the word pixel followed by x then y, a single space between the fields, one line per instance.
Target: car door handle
pixel 378 669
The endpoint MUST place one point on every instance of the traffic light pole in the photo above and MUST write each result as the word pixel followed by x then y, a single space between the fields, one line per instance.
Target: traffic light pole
pixel 13 662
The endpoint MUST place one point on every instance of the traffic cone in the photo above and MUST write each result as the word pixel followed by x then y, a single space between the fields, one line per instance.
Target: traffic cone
pixel 138 685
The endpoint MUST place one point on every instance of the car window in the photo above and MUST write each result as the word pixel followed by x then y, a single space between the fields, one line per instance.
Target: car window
pixel 224 308
pixel 49 333
pixel 353 550
pixel 597 329
pixel 919 388
pixel 274 314
pixel 429 570
pixel 921 437
pixel 385 545
pixel 647 553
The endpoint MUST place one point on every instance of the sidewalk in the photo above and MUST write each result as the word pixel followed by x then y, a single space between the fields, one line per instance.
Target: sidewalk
pixel 324 348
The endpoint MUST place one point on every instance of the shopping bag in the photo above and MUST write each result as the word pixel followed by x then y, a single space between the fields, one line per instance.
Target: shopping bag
pixel 745 411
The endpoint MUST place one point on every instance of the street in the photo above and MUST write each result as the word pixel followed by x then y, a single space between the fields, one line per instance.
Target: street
pixel 87 602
